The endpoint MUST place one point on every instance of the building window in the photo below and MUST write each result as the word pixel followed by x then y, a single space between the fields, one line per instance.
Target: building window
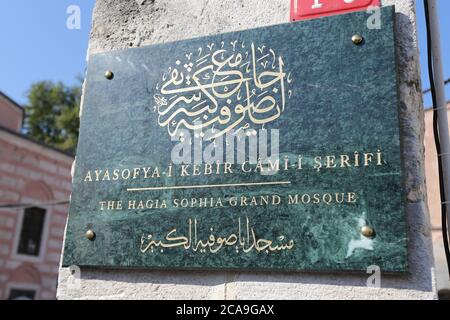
pixel 31 232
pixel 19 294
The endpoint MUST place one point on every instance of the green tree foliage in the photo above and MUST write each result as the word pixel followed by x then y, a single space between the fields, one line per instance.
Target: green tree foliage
pixel 52 114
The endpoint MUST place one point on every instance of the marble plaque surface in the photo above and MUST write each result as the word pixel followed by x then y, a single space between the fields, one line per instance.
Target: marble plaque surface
pixel 276 148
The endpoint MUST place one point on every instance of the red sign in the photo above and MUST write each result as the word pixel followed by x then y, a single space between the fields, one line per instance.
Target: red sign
pixel 307 9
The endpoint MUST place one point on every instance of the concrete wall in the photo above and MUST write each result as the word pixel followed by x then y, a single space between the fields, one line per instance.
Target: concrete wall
pixel 121 24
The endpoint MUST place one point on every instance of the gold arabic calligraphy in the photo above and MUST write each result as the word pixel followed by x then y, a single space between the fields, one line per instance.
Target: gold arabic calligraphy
pixel 223 90
pixel 214 244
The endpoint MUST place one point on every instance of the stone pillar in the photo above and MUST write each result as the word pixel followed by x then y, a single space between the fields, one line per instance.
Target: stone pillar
pixel 119 24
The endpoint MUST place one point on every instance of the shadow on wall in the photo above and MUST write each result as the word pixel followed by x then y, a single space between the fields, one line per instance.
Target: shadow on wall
pixel 444 294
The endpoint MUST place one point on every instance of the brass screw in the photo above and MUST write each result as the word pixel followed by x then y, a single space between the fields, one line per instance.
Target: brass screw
pixel 109 75
pixel 367 232
pixel 357 39
pixel 90 235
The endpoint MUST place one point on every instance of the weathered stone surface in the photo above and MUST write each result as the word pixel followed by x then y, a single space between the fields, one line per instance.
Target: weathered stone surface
pixel 121 24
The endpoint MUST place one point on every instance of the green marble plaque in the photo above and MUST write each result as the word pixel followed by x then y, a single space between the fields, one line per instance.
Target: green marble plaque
pixel 167 173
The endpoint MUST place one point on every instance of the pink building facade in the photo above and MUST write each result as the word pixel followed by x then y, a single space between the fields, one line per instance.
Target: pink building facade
pixel 35 185
pixel 434 205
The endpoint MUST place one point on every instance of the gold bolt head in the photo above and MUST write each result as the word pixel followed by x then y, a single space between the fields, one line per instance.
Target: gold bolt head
pixel 90 235
pixel 357 39
pixel 109 75
pixel 367 232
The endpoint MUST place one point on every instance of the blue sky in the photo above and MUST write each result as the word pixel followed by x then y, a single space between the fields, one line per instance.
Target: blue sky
pixel 444 10
pixel 36 45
